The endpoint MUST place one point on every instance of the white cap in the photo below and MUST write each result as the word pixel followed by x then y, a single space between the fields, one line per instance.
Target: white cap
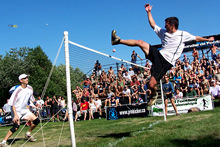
pixel 213 80
pixel 22 76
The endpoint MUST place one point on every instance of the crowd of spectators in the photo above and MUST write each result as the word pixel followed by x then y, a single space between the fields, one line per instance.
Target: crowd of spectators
pixel 194 78
pixel 112 88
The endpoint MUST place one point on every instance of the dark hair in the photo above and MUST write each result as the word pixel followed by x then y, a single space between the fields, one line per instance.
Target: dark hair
pixel 173 21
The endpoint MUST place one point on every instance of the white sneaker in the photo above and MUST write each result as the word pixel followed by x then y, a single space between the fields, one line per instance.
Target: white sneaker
pixel 30 138
pixel 4 145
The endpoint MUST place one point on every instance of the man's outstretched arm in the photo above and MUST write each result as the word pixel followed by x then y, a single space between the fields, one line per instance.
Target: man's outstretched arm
pixel 150 17
pixel 198 39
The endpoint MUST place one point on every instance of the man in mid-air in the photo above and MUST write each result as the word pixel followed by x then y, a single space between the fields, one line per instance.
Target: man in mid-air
pixel 173 41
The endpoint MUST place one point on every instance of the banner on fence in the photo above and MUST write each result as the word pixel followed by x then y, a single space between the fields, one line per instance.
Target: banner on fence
pixel 124 111
pixel 5 118
pixel 183 105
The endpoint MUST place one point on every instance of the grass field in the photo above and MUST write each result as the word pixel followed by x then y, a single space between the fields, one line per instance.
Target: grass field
pixel 193 129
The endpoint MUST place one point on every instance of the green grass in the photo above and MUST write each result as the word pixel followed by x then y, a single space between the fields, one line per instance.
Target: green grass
pixel 193 129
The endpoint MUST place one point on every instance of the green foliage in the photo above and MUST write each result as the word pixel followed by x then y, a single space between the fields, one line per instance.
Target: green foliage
pixel 35 62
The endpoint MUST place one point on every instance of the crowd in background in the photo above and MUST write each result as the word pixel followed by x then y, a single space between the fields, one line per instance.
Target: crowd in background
pixel 112 88
pixel 194 78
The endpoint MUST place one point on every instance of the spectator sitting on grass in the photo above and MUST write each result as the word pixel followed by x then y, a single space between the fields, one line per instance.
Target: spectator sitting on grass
pixel 98 104
pixel 92 108
pixel 191 92
pixel 214 90
pixel 84 105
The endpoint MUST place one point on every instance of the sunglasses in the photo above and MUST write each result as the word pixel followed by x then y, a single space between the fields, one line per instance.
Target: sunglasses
pixel 25 78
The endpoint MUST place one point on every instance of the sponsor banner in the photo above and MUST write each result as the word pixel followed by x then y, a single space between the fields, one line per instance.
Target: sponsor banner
pixel 5 118
pixel 124 111
pixel 183 105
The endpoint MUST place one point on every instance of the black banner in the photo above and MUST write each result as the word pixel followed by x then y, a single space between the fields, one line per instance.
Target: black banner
pixel 124 111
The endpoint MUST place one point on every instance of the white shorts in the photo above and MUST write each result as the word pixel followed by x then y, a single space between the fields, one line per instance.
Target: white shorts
pixel 23 115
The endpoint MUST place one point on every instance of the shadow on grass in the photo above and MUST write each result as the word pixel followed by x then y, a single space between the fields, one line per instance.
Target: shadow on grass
pixel 117 135
pixel 17 139
pixel 202 141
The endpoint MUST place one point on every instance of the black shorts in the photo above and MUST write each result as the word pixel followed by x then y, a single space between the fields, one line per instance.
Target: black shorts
pixel 159 65
pixel 169 96
pixel 54 110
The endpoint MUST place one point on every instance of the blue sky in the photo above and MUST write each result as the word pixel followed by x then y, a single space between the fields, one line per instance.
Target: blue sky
pixel 90 23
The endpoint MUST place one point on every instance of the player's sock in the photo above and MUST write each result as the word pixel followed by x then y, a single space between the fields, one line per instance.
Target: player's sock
pixel 28 133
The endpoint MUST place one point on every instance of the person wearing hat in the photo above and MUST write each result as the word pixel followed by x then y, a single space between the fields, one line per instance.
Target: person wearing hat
pixel 18 101
pixel 191 92
pixel 214 90
pixel 86 83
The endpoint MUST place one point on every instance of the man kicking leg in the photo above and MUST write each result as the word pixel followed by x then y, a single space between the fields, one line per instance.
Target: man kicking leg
pixel 172 46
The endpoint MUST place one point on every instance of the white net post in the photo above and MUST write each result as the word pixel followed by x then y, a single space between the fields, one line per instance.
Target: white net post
pixel 161 87
pixel 69 97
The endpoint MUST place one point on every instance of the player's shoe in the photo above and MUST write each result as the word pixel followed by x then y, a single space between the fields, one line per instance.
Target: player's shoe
pixel 115 38
pixel 4 145
pixel 30 138
pixel 153 100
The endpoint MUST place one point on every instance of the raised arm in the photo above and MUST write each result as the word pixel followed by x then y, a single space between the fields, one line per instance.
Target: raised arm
pixel 150 17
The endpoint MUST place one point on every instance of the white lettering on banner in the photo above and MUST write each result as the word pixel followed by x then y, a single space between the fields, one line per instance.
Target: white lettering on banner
pixel 133 111
pixel 183 105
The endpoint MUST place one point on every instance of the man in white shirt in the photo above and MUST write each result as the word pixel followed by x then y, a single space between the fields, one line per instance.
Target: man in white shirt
pixel 98 104
pixel 19 101
pixel 40 102
pixel 130 72
pixel 127 77
pixel 173 41
pixel 214 90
